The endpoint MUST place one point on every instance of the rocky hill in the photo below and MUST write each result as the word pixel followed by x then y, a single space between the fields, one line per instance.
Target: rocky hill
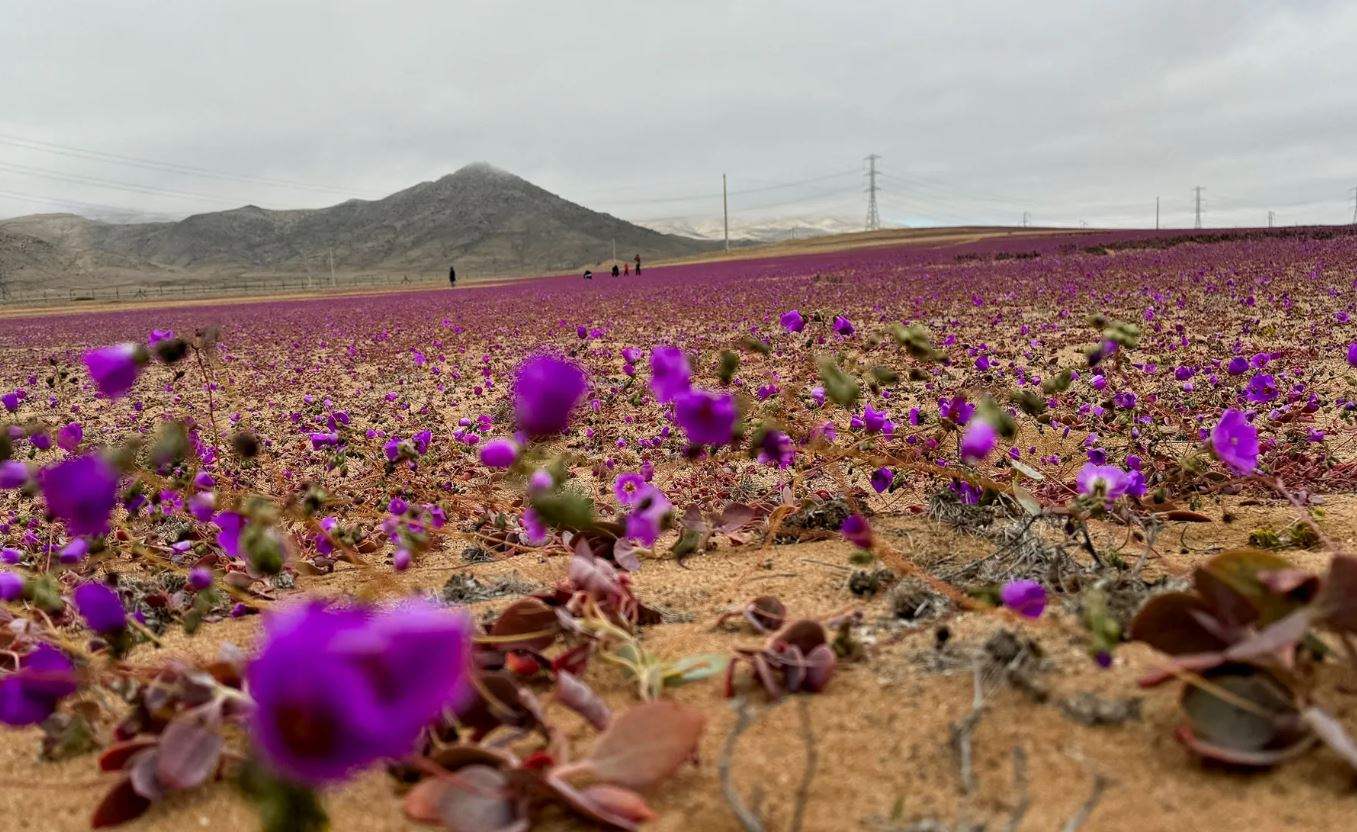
pixel 485 220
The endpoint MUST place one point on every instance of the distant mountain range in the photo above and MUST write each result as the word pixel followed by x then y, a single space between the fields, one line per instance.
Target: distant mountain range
pixel 484 220
pixel 760 231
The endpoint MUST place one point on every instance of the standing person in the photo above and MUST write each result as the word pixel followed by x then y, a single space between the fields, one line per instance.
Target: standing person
pixel 588 275
pixel 616 271
pixel 626 268
pixel 638 264
pixel 452 275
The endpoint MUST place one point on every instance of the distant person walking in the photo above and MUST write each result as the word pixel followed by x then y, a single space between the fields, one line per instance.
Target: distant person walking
pixel 638 264
pixel 616 271
pixel 626 268
pixel 452 275
pixel 588 275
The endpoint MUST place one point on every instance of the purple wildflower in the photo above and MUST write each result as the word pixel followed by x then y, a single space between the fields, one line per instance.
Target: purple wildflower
pixel 546 391
pixel 628 488
pixel 792 321
pixel 1235 442
pixel 856 531
pixel 670 375
pixel 338 688
pixel 11 585
pixel 1026 598
pixel 1262 388
pixel 708 418
pixel 499 453
pixel 115 369
pixel 81 491
pixel 978 441
pixel 30 695
pixel 843 326
pixel 100 606
pixel 1107 481
pixel 882 479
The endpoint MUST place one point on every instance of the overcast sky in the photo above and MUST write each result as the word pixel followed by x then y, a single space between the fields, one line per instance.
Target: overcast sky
pixel 1074 112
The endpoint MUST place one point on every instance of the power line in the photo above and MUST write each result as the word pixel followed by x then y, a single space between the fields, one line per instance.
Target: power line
pixel 873 218
pixel 105 183
pixel 152 164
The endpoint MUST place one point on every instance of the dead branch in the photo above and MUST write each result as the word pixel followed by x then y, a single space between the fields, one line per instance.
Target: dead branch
pixel 1099 785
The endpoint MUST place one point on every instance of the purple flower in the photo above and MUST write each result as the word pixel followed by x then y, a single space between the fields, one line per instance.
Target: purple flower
pixel 338 688
pixel 648 514
pixel 956 410
pixel 882 479
pixel 100 606
pixel 670 374
pixel 1107 481
pixel 872 420
pixel 978 441
pixel 158 335
pixel 11 585
pixel 708 418
pixel 629 487
pixel 776 448
pixel 546 390
pixel 843 326
pixel 13 474
pixel 1262 388
pixel 1125 400
pixel 856 531
pixel 792 321
pixel 1026 598
pixel 30 694
pixel 499 453
pixel 199 578
pixel 115 369
pixel 11 400
pixel 1352 354
pixel 81 492
pixel 231 525
pixel 1237 366
pixel 70 436
pixel 534 530
pixel 1235 442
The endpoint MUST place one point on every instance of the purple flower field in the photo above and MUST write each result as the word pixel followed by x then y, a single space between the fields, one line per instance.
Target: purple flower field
pixel 548 554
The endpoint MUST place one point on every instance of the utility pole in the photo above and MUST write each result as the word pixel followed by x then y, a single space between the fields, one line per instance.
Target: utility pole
pixel 614 248
pixel 332 267
pixel 1024 219
pixel 873 218
pixel 1269 219
pixel 725 211
pixel 1354 206
pixel 1156 213
pixel 1198 191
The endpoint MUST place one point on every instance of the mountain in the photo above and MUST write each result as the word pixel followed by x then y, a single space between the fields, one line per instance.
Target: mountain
pixel 483 219
pixel 761 231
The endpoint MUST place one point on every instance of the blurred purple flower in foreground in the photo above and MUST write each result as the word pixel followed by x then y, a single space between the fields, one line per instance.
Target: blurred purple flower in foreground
pixel 30 694
pixel 337 688
pixel 115 369
pixel 81 492
pixel 708 418
pixel 1026 598
pixel 670 375
pixel 545 392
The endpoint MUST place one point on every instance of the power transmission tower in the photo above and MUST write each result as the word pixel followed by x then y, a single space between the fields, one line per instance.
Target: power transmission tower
pixel 725 210
pixel 1354 206
pixel 1024 219
pixel 1156 213
pixel 1269 219
pixel 873 218
pixel 1198 190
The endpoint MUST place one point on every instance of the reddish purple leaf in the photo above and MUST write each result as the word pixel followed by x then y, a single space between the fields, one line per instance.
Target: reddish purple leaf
pixel 580 698
pixel 189 753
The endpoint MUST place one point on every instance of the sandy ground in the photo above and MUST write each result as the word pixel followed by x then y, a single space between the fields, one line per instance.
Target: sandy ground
pixel 881 730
